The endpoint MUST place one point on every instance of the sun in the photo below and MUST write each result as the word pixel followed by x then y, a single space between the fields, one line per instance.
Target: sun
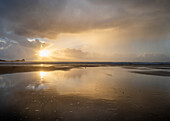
pixel 44 53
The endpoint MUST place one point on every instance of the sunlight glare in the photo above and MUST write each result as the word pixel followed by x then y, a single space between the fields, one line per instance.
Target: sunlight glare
pixel 42 74
pixel 44 53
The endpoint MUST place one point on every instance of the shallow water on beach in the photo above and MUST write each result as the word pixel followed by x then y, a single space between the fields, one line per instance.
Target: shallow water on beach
pixel 85 94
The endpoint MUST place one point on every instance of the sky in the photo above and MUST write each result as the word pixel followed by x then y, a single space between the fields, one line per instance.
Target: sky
pixel 85 30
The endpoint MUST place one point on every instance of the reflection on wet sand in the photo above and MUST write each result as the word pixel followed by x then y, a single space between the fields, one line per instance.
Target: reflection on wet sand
pixel 156 73
pixel 91 94
pixel 158 70
pixel 42 74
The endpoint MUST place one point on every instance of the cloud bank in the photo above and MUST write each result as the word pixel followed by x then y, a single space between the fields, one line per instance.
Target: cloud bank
pixel 32 24
pixel 48 18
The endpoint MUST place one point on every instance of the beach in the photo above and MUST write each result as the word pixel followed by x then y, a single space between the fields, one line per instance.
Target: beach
pixel 93 92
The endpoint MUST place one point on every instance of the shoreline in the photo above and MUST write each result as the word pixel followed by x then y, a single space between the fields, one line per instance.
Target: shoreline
pixel 105 63
pixel 132 68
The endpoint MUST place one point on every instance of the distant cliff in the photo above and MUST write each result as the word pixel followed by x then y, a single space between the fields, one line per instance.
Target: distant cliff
pixel 22 60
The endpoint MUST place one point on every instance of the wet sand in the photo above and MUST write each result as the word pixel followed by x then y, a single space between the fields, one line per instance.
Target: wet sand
pixel 8 69
pixel 84 92
pixel 45 106
pixel 155 73
pixel 156 70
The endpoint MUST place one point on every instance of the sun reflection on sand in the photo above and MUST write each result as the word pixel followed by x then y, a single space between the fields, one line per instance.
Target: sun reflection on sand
pixel 83 82
pixel 42 74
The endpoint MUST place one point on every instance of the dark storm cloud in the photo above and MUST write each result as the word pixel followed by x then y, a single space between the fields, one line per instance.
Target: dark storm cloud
pixel 149 4
pixel 47 18
pixel 30 17
pixel 141 17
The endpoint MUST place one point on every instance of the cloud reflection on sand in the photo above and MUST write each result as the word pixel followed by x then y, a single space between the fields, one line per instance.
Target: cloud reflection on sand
pixel 97 93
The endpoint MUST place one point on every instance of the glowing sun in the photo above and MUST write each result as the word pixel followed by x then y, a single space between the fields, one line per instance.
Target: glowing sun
pixel 44 53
